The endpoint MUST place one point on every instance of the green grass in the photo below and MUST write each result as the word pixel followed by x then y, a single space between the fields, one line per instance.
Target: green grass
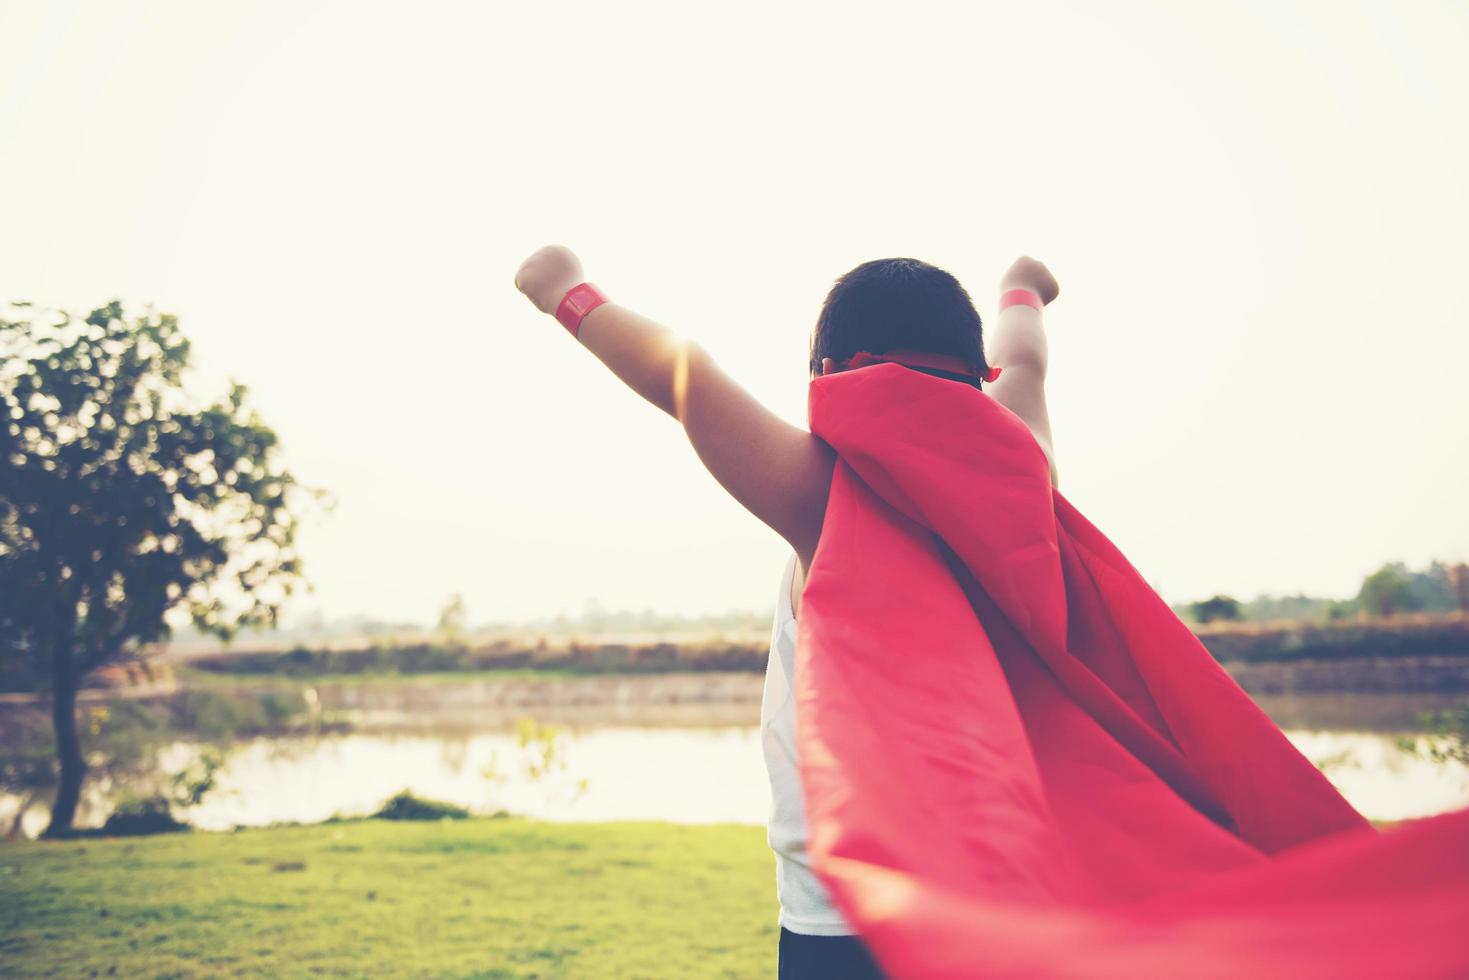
pixel 465 898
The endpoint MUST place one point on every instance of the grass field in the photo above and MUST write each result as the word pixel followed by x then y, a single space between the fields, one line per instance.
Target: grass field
pixel 468 898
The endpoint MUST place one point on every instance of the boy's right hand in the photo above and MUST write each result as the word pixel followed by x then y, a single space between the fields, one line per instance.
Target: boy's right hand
pixel 1028 273
pixel 548 275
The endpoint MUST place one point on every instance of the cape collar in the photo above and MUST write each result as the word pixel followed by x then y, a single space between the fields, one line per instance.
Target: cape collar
pixel 922 359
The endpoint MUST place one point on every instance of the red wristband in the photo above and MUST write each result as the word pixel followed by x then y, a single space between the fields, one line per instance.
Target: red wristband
pixel 1020 297
pixel 579 300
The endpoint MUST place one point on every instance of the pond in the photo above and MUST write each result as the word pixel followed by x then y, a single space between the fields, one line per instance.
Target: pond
pixel 694 773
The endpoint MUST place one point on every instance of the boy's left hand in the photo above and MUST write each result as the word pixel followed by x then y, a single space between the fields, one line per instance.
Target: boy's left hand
pixel 546 276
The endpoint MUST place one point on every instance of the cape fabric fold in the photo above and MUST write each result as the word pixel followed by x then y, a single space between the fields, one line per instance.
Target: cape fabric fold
pixel 1019 762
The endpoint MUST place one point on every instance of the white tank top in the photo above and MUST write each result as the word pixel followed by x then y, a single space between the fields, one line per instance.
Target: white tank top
pixel 805 905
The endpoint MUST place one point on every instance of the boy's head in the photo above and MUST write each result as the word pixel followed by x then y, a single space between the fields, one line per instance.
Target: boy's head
pixel 896 304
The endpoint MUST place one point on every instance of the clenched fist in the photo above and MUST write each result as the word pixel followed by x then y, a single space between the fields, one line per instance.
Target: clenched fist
pixel 1031 274
pixel 547 275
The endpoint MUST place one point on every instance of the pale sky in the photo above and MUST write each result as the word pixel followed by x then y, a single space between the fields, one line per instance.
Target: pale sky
pixel 1257 213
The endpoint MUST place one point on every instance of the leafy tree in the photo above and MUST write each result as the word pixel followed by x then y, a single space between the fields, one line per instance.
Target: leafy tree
pixel 1220 607
pixel 453 618
pixel 1432 589
pixel 123 504
pixel 1388 590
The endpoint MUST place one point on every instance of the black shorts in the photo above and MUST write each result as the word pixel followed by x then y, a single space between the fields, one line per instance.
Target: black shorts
pixel 825 958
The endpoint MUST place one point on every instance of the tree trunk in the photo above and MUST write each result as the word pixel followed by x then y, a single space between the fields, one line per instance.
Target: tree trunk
pixel 68 746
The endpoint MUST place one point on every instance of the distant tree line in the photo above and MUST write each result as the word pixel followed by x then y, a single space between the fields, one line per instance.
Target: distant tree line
pixel 453 623
pixel 595 620
pixel 1393 588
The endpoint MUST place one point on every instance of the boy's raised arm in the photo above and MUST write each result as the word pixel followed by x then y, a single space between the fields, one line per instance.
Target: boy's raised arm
pixel 1018 346
pixel 777 471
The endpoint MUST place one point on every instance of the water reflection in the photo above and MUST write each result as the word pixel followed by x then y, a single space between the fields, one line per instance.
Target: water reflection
pixel 1382 781
pixel 697 773
pixel 683 775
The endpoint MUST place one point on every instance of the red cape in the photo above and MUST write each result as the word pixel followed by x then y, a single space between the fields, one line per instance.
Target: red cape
pixel 1019 762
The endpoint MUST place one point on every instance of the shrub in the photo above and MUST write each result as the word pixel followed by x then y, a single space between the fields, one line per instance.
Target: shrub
pixel 406 806
pixel 1447 738
pixel 136 817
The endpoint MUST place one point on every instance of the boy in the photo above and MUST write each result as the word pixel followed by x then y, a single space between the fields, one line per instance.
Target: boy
pixel 897 309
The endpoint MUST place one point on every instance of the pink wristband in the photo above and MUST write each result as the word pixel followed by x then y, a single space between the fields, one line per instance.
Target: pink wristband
pixel 579 300
pixel 1020 297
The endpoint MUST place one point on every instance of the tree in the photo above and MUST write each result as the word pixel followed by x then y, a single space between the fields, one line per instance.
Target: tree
pixel 1388 590
pixel 1459 576
pixel 1432 589
pixel 123 505
pixel 1220 607
pixel 453 618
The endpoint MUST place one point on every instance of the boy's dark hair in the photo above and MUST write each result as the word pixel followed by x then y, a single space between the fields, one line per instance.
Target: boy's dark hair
pixel 896 304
